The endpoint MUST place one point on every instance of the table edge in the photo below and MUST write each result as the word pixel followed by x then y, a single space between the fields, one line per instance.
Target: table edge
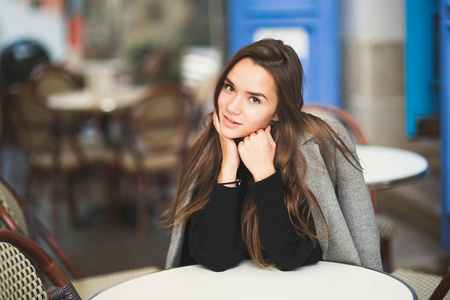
pixel 413 293
pixel 387 184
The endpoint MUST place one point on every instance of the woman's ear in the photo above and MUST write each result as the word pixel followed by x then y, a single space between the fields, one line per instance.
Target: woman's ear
pixel 275 118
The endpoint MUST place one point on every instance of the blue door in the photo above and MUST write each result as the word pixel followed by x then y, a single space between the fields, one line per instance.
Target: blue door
pixel 445 122
pixel 309 26
pixel 422 67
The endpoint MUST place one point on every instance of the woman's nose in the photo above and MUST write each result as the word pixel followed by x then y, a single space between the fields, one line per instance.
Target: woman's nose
pixel 234 106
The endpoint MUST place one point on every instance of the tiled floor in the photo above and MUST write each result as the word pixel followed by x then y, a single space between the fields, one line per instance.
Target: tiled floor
pixel 98 248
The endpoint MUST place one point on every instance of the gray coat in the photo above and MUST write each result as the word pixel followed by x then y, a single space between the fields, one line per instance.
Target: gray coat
pixel 345 202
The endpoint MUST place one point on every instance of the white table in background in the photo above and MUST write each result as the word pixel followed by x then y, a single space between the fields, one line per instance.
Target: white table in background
pixel 87 100
pixel 324 280
pixel 385 167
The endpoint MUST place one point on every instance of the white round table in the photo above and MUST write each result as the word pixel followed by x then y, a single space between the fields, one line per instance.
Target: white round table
pixel 324 280
pixel 385 167
pixel 88 100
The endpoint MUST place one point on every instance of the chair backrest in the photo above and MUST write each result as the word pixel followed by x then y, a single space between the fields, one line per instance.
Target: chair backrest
pixel 11 212
pixel 19 279
pixel 161 119
pixel 15 216
pixel 48 79
pixel 355 130
pixel 33 121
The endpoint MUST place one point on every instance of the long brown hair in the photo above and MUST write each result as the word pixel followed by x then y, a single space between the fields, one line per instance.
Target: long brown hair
pixel 203 160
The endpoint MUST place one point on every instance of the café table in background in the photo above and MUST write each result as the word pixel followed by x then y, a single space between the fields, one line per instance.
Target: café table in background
pixel 386 167
pixel 324 280
pixel 90 100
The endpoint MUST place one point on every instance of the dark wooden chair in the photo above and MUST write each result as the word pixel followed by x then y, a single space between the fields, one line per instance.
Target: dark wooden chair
pixel 19 279
pixel 154 141
pixel 386 227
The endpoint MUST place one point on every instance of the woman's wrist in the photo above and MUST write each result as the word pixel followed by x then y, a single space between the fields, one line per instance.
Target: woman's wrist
pixel 263 173
pixel 227 174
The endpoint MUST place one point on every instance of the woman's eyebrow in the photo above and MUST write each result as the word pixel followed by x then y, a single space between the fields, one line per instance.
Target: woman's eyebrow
pixel 257 94
pixel 227 80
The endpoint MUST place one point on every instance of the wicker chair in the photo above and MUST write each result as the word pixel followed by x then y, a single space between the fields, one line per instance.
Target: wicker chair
pixel 386 227
pixel 87 128
pixel 427 286
pixel 154 136
pixel 16 216
pixel 51 149
pixel 47 79
pixel 19 279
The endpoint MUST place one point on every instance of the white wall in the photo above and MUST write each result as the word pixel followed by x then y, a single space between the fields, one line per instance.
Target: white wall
pixel 21 21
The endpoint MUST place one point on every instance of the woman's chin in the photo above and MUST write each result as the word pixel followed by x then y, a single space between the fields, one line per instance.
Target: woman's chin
pixel 235 136
pixel 232 134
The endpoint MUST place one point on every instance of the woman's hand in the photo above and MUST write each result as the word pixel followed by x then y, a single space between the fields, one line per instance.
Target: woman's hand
pixel 257 152
pixel 230 155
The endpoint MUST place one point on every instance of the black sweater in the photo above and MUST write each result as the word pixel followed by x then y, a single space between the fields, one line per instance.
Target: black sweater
pixel 213 235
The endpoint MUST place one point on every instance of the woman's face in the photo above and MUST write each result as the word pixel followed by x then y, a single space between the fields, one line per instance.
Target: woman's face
pixel 247 101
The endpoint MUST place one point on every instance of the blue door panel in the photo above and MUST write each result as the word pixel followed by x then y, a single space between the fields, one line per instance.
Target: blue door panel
pixel 445 122
pixel 318 19
pixel 270 8
pixel 421 62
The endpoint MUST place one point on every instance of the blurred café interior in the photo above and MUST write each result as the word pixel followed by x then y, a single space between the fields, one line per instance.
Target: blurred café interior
pixel 100 100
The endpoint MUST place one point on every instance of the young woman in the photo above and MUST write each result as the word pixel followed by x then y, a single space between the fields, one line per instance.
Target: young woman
pixel 267 181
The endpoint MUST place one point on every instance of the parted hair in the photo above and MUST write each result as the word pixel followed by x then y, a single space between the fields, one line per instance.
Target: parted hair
pixel 202 163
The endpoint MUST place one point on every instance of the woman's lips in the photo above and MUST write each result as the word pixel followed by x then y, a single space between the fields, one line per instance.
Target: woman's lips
pixel 230 123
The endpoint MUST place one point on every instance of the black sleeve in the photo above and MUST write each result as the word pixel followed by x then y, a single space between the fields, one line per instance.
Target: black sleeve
pixel 285 248
pixel 215 232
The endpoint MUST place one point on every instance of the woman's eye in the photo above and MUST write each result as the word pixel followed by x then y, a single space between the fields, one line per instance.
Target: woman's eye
pixel 254 100
pixel 229 88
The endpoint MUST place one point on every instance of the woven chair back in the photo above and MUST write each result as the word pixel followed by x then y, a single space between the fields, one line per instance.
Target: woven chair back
pixel 18 277
pixel 52 83
pixel 10 210
pixel 32 120
pixel 47 79
pixel 161 119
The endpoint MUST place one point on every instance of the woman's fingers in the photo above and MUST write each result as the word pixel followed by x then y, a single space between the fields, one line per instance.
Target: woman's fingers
pixel 268 131
pixel 257 152
pixel 262 134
